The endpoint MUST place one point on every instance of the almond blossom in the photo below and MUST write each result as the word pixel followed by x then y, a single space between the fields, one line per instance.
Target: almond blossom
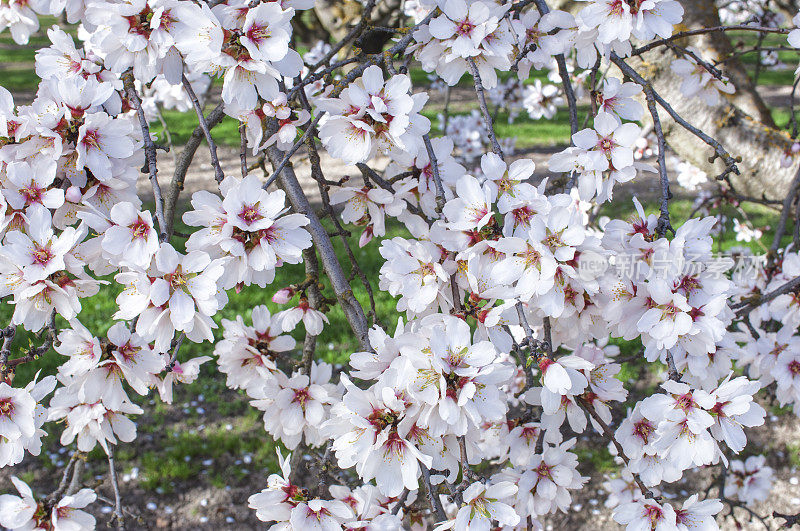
pixel 183 296
pixel 699 82
pixel 370 116
pixel 481 507
pixel 249 228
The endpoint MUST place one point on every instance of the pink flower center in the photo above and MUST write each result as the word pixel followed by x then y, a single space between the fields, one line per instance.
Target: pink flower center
pixel 395 444
pixel 127 351
pixel 140 229
pixel 685 403
pixel 140 24
pixel 42 255
pixel 6 407
pixel 523 215
pixel 615 8
pixel 529 433
pixel 32 193
pixel 301 396
pixel 543 470
pixel 643 429
pixel 250 214
pixel 606 144
pixel 91 139
pixel 653 513
pixel 465 27
pixel 258 33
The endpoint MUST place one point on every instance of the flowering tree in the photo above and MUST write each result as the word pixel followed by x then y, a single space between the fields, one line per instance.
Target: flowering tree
pixel 515 297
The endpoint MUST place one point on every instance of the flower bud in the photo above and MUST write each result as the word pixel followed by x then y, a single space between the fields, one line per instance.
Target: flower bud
pixel 282 296
pixel 73 194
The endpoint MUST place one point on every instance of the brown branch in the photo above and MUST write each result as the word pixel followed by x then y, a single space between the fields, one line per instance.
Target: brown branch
pixel 433 499
pixel 437 179
pixel 243 148
pixel 563 73
pixel 700 31
pixel 311 127
pixel 371 175
pixel 315 300
pixel 720 152
pixel 785 212
pixel 790 519
pixel 586 406
pixel 664 224
pixel 754 302
pixel 33 353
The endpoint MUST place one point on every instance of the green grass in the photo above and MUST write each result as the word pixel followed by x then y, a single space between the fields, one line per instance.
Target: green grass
pixel 17 54
pixel 775 77
pixel 419 77
pixel 181 125
pixel 542 132
pixel 19 79
pixel 598 457
pixel 746 40
pixel 793 449
pixel 181 454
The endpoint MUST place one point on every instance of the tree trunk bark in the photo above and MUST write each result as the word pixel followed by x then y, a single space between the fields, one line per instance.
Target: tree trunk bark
pixel 741 122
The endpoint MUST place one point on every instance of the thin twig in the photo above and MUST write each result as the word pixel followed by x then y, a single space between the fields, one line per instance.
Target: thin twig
pixel 437 179
pixel 752 303
pixel 212 146
pixel 786 210
pixel 479 90
pixel 664 224
pixel 33 353
pixel 700 31
pixel 400 503
pixel 243 148
pixel 119 517
pixel 65 477
pixel 149 152
pixel 589 408
pixel 433 498
pixel 561 62
pixel 214 118
pixel 727 159
pixel 293 150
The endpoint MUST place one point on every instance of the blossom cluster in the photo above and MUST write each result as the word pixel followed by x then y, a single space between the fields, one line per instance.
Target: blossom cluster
pixel 506 343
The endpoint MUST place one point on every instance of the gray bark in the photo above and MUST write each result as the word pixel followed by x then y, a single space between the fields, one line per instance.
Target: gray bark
pixel 741 122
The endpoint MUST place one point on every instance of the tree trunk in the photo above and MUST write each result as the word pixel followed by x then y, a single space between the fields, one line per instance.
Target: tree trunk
pixel 339 16
pixel 741 121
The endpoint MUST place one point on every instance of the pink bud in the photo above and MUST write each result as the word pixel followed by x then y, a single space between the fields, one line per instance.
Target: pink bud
pixel 73 194
pixel 795 147
pixel 366 236
pixel 282 296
